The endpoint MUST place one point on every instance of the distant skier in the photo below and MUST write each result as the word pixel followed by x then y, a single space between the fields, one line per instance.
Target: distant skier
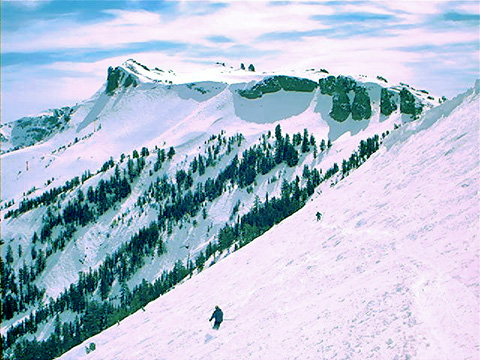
pixel 319 216
pixel 218 316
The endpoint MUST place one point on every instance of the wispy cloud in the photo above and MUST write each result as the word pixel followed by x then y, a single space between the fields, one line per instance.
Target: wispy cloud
pixel 462 17
pixel 219 39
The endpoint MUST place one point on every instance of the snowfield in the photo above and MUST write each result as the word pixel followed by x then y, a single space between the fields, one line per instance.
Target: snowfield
pixel 390 272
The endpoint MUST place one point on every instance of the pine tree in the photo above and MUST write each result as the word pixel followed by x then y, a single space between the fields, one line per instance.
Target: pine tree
pixel 279 146
pixel 201 165
pixel 291 155
pixel 200 260
pixel 305 141
pixel 144 151
pixel 322 145
pixel 9 256
pixel 278 133
pixel 194 165
pixel 171 153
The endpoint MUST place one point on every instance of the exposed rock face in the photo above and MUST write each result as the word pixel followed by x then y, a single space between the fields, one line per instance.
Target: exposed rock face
pixel 387 103
pixel 341 108
pixel 118 77
pixel 408 104
pixel 339 88
pixel 361 107
pixel 327 85
pixel 31 130
pixel 277 83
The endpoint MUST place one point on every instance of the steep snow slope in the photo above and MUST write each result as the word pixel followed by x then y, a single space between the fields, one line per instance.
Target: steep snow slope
pixel 390 272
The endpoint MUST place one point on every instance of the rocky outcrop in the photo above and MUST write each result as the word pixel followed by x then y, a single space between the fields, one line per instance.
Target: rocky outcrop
pixel 28 131
pixel 277 83
pixel 341 108
pixel 387 102
pixel 339 88
pixel 408 104
pixel 117 78
pixel 361 106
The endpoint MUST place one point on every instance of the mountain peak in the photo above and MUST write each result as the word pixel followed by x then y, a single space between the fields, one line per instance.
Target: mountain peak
pixel 135 66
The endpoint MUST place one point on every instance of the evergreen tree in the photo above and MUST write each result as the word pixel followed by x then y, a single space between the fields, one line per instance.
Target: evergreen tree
pixel 194 165
pixel 305 141
pixel 144 152
pixel 201 165
pixel 200 261
pixel 161 156
pixel 291 155
pixel 34 238
pixel 279 145
pixel 322 145
pixel 9 256
pixel 278 133
pixel 171 153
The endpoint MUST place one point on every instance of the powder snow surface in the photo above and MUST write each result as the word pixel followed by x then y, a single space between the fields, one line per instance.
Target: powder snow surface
pixel 390 272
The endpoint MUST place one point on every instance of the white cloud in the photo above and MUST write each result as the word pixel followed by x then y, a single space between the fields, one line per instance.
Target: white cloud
pixel 241 21
pixel 417 7
pixel 470 7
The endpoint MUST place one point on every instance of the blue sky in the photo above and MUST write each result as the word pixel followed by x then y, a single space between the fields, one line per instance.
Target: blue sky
pixel 56 53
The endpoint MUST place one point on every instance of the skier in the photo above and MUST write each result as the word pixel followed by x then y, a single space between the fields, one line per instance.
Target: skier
pixel 218 316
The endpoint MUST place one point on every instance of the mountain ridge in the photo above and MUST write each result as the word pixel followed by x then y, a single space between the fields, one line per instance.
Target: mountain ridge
pixel 145 143
pixel 365 281
pixel 86 119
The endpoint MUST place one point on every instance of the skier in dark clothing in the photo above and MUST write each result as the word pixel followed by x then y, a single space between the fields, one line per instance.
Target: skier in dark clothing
pixel 218 316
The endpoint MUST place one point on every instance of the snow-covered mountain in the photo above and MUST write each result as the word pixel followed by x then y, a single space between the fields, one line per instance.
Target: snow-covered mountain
pixel 391 271
pixel 159 175
pixel 141 107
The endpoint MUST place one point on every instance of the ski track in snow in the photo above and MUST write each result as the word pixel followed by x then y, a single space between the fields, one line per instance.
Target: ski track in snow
pixel 390 272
